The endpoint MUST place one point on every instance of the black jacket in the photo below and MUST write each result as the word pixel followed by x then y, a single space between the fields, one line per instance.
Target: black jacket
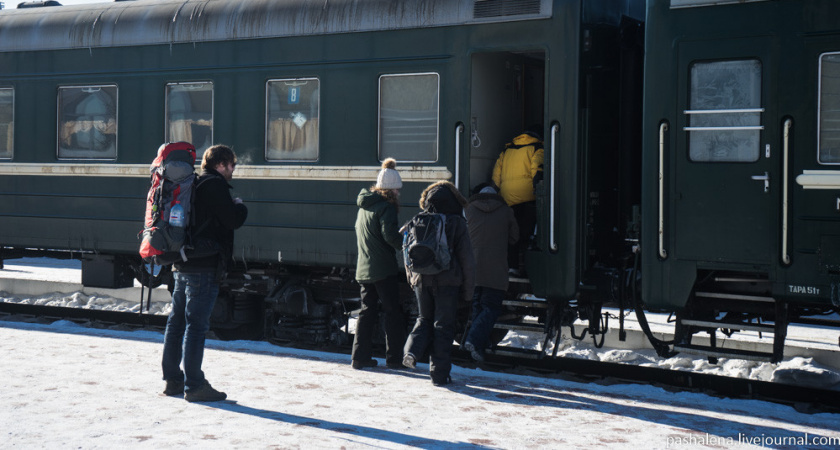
pixel 443 198
pixel 215 216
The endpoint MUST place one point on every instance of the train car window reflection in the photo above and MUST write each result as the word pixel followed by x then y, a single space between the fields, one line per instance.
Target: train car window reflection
pixel 292 119
pixel 724 119
pixel 408 117
pixel 189 114
pixel 87 122
pixel 7 122
pixel 829 109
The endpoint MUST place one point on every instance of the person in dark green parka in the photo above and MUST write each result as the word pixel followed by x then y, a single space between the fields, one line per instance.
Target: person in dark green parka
pixel 378 239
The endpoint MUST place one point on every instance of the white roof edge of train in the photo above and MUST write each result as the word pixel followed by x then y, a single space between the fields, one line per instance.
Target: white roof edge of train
pixel 160 22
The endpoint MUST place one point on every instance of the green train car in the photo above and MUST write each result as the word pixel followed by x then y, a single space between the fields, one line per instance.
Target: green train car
pixel 313 96
pixel 689 143
pixel 741 222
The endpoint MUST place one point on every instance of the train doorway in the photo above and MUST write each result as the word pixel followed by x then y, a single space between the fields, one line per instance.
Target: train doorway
pixel 727 158
pixel 507 96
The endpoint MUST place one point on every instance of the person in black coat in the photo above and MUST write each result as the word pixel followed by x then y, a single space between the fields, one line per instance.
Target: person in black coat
pixel 215 215
pixel 438 295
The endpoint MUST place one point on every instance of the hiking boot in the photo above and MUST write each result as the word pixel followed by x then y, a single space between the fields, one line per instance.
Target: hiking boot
pixel 476 355
pixel 409 361
pixel 442 381
pixel 174 387
pixel 359 365
pixel 395 365
pixel 205 393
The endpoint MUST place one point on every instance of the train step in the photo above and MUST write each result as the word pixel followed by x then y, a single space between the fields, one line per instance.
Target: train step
pixel 518 353
pixel 521 326
pixel 761 328
pixel 716 352
pixel 526 303
pixel 741 297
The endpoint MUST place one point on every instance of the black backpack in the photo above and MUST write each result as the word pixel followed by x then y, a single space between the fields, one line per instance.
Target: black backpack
pixel 425 247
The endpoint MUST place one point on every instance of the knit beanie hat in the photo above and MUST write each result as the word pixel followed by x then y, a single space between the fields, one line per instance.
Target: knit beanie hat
pixel 388 177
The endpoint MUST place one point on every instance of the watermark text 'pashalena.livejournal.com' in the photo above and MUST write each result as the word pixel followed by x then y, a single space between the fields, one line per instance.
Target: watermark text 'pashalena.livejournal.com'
pixel 742 439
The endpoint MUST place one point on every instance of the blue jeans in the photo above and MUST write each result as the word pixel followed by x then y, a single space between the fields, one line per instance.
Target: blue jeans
pixel 486 307
pixel 192 302
pixel 435 328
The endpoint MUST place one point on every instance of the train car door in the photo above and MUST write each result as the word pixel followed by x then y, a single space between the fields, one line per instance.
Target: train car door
pixel 726 163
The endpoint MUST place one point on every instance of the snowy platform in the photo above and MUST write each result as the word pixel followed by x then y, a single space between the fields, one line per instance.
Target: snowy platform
pixel 66 386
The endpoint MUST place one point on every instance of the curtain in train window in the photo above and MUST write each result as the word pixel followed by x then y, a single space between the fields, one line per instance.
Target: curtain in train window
pixel 724 116
pixel 829 122
pixel 292 119
pixel 408 117
pixel 7 122
pixel 87 122
pixel 189 114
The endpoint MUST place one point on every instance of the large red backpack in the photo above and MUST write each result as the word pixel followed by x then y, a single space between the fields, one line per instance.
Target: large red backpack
pixel 173 182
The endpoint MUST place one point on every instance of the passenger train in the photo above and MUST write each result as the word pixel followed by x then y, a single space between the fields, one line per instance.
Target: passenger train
pixel 691 146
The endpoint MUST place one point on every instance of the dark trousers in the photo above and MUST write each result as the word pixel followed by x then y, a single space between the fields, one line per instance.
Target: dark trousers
pixel 526 219
pixel 192 302
pixel 435 328
pixel 379 296
pixel 486 307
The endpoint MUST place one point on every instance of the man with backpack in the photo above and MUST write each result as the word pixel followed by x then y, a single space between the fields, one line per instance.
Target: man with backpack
pixel 215 216
pixel 492 229
pixel 440 276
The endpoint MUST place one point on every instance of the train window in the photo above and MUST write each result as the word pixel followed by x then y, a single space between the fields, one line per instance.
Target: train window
pixel 829 109
pixel 724 119
pixel 292 112
pixel 189 114
pixel 7 122
pixel 87 122
pixel 408 117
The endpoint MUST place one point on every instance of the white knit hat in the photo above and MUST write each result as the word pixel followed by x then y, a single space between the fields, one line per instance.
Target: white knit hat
pixel 388 177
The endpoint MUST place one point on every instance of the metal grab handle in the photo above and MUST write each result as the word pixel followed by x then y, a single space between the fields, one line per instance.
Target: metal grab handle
pixel 785 152
pixel 765 178
pixel 555 129
pixel 663 128
pixel 458 131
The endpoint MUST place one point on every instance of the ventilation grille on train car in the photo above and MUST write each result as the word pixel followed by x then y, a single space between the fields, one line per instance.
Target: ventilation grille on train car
pixel 500 8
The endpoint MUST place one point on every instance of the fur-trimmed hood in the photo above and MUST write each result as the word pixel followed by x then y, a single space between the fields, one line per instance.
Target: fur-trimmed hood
pixel 442 197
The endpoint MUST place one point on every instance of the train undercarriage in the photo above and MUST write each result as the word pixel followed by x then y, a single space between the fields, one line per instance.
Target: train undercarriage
pixel 316 306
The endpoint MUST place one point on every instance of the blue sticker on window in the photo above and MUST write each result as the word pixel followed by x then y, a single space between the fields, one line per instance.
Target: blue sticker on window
pixel 294 95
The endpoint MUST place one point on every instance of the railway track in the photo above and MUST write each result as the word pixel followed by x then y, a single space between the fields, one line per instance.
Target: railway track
pixel 803 398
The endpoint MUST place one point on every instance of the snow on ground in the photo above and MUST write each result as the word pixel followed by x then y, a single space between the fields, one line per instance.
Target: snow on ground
pixel 68 386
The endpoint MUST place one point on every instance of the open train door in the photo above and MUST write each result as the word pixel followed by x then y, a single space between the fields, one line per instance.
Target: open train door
pixel 726 159
pixel 506 96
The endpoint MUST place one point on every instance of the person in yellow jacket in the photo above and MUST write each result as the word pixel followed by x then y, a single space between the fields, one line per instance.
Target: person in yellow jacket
pixel 514 174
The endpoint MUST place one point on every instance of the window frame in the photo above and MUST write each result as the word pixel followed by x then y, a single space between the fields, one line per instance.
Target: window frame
pixel 59 122
pixel 166 124
pixel 819 107
pixel 267 122
pixel 12 128
pixel 379 154
pixel 689 113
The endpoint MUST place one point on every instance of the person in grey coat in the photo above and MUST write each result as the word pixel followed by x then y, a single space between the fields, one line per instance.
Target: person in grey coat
pixel 438 295
pixel 493 230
